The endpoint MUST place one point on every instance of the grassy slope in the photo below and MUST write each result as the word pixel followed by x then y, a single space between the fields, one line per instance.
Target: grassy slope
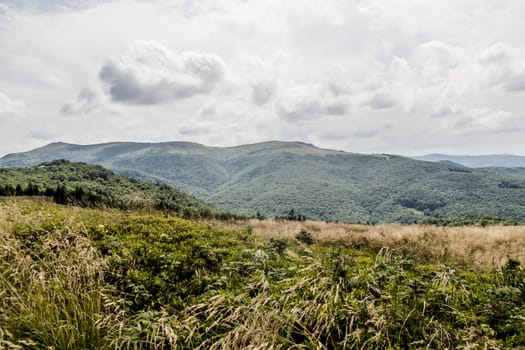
pixel 108 188
pixel 274 177
pixel 74 278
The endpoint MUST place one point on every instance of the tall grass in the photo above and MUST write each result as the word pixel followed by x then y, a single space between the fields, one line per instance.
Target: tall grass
pixel 51 292
pixel 89 279
pixel 482 248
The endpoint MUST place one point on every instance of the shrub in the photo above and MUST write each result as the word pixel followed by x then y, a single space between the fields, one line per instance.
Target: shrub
pixel 305 237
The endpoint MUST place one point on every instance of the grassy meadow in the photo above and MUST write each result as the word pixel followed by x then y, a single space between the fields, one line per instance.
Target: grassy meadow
pixel 80 278
pixel 472 247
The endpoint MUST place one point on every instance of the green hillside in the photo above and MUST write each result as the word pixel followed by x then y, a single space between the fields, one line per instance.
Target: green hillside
pixel 516 172
pixel 94 186
pixel 275 177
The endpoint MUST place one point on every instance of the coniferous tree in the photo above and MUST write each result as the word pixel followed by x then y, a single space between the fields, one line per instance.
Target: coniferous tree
pixel 60 195
pixel 32 189
pixel 36 190
pixel 49 192
pixel 9 190
pixel 19 191
pixel 78 194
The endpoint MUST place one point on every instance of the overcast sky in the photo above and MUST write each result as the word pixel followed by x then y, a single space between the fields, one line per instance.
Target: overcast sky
pixel 390 76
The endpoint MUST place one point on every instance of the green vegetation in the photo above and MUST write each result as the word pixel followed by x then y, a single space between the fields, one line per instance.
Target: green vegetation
pixel 274 177
pixel 514 172
pixel 93 186
pixel 73 278
pixel 472 220
pixel 483 161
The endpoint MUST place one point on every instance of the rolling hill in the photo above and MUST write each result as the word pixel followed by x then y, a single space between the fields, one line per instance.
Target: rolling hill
pixel 275 177
pixel 94 186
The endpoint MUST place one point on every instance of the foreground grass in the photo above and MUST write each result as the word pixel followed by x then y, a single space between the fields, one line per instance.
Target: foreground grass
pixel 88 279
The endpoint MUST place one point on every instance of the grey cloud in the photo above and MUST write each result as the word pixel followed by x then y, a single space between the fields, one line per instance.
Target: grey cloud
pixel 194 130
pixel 308 102
pixel 67 108
pixel 334 135
pixel 87 101
pixel 516 84
pixel 309 109
pixel 446 110
pixel 43 134
pixel 302 110
pixel 381 100
pixel 152 74
pixel 335 107
pixel 263 92
pixel 365 133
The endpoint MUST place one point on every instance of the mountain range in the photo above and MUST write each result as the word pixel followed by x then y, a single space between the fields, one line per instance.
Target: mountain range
pixel 274 177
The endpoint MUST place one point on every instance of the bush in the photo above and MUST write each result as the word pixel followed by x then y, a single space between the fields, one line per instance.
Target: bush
pixel 305 237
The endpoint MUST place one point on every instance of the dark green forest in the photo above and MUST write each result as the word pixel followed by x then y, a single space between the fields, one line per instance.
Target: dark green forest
pixel 90 185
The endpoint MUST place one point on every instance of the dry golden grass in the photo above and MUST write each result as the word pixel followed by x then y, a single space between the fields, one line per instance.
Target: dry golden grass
pixel 473 247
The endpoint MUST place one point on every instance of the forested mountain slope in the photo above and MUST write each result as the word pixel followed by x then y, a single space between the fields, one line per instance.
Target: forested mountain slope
pixel 94 186
pixel 275 177
pixel 481 161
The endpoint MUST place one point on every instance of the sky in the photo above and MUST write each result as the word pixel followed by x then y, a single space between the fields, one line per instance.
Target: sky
pixel 371 76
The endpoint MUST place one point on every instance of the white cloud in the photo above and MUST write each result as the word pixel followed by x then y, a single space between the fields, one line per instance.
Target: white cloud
pixel 436 61
pixel 9 108
pixel 487 121
pixel 479 121
pixel 151 73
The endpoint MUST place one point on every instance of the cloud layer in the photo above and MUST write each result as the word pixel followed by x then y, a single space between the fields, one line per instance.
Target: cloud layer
pixel 365 76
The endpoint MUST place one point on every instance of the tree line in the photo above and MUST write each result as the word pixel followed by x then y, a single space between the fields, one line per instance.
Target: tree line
pixel 79 196
pixel 60 194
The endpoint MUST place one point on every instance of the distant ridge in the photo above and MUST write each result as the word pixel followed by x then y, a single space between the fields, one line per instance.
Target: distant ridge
pixel 482 161
pixel 274 177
